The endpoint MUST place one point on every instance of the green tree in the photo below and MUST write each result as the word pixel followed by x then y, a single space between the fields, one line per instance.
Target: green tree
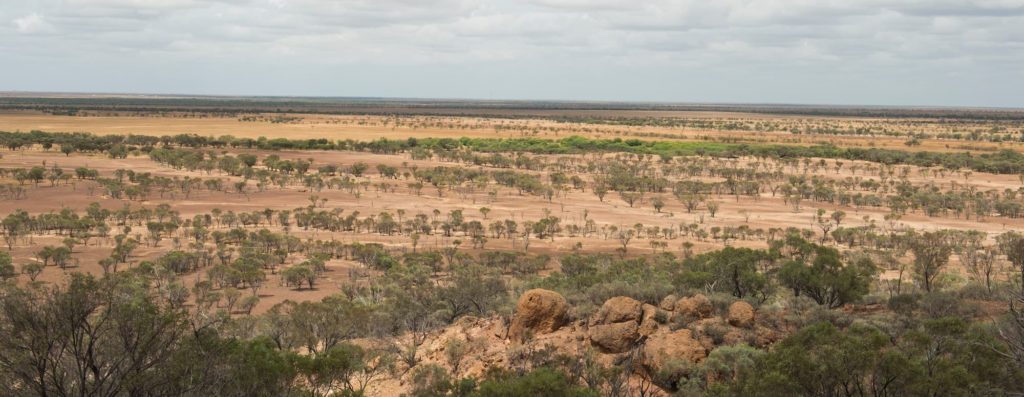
pixel 334 370
pixel 358 168
pixel 826 279
pixel 732 270
pixel 658 204
pixel 90 337
pixel 36 175
pixel 7 270
pixel 473 289
pixel 295 276
pixel 931 254
pixel 821 360
pixel 1012 245
pixel 32 270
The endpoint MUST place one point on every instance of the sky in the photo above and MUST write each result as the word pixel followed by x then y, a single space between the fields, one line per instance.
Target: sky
pixel 855 52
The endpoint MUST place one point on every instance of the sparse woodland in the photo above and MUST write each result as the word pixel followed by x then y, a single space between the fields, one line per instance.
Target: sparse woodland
pixel 192 265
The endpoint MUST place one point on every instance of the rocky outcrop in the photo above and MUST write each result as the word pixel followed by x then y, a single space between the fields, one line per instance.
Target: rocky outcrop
pixel 695 307
pixel 615 337
pixel 538 312
pixel 615 327
pixel 741 315
pixel 618 309
pixel 669 303
pixel 648 320
pixel 663 348
pixel 543 320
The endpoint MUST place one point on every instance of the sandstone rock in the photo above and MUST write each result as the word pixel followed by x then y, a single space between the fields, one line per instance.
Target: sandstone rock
pixel 647 310
pixel 707 342
pixel 695 307
pixel 618 309
pixel 538 312
pixel 647 322
pixel 662 348
pixel 669 303
pixel 615 337
pixel 741 314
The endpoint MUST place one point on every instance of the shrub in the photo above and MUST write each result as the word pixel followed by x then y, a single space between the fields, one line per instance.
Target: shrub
pixel 947 304
pixel 539 382
pixel 431 380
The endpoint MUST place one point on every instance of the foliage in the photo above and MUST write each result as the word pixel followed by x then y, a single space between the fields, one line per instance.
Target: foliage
pixel 732 270
pixel 538 382
pixel 937 358
pixel 826 279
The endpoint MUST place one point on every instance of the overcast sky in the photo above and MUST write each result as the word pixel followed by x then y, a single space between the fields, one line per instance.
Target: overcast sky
pixel 881 52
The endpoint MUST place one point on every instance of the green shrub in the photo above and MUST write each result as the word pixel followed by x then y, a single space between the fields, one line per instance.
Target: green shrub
pixel 539 382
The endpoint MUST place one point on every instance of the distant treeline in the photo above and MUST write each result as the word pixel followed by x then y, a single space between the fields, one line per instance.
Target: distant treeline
pixel 1001 162
pixel 497 109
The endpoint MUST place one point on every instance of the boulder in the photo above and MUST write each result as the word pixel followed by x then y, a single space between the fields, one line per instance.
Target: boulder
pixel 669 303
pixel 538 312
pixel 618 309
pixel 662 348
pixel 648 324
pixel 615 337
pixel 695 307
pixel 741 314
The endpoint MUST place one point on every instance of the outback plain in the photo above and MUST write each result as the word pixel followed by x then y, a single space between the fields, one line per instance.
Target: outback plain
pixel 459 248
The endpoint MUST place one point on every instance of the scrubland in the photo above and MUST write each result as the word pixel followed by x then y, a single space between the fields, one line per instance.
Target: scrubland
pixel 597 252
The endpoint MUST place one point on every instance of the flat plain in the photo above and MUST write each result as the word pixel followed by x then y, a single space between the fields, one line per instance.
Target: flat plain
pixel 230 216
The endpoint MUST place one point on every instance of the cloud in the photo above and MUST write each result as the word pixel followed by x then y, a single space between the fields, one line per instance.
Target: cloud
pixel 32 24
pixel 566 44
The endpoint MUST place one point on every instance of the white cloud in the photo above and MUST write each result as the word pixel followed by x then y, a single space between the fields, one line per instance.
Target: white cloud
pixel 31 24
pixel 518 43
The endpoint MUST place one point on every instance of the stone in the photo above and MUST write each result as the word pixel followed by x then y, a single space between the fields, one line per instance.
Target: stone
pixel 741 314
pixel 615 337
pixel 538 312
pixel 663 348
pixel 695 307
pixel 618 309
pixel 648 323
pixel 669 303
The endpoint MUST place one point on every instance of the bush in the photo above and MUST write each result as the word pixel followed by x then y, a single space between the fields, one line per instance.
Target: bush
pixel 727 363
pixel 730 270
pixel 431 380
pixel 650 292
pixel 804 311
pixel 717 332
pixel 6 267
pixel 904 304
pixel 661 316
pixel 825 359
pixel 947 304
pixel 826 279
pixel 673 374
pixel 975 291
pixel 722 301
pixel 539 382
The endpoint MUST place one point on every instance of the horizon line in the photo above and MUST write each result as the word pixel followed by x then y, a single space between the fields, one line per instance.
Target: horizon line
pixel 142 95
